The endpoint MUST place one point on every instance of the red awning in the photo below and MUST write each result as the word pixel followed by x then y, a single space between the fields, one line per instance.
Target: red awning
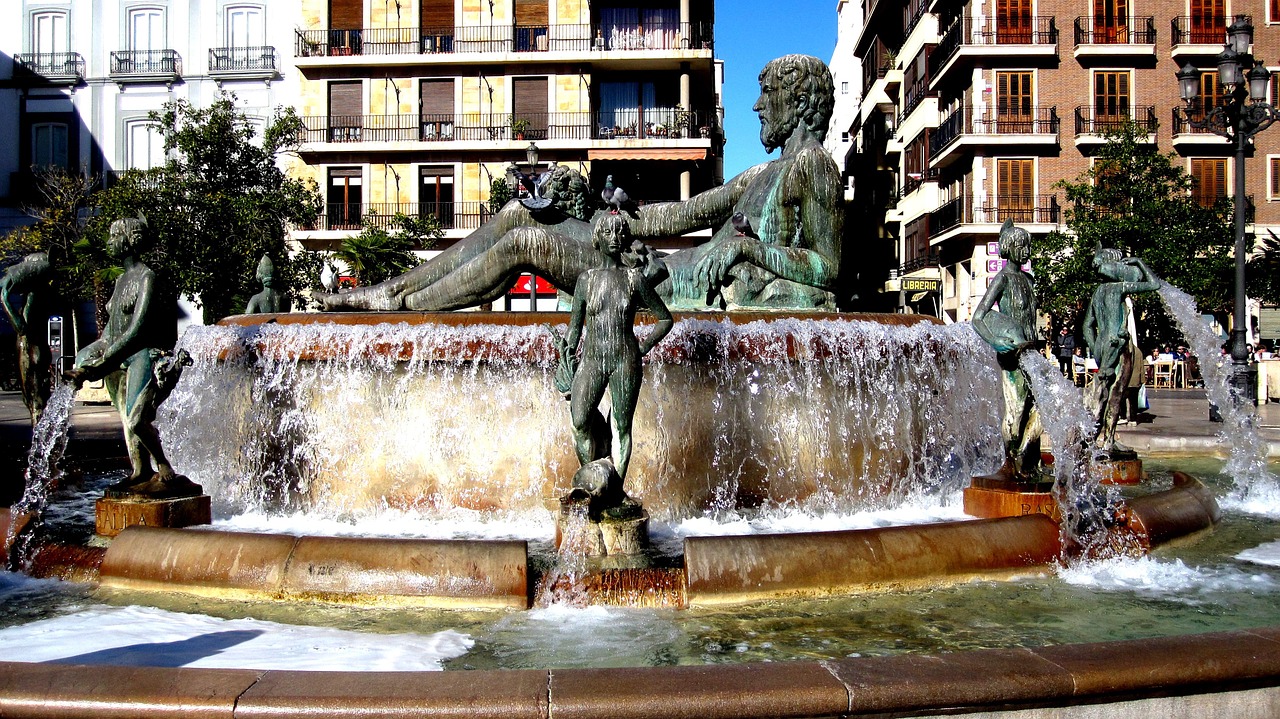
pixel 521 288
pixel 649 153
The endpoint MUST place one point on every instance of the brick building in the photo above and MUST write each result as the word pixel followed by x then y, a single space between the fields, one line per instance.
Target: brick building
pixel 972 109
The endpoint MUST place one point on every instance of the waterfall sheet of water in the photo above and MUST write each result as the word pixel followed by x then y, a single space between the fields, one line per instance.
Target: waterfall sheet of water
pixel 48 442
pixel 344 422
pixel 1257 490
pixel 565 582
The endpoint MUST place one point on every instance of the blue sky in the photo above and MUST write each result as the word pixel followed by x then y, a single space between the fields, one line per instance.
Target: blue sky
pixel 750 33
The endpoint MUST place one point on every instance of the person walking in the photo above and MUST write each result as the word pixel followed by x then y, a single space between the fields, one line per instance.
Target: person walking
pixel 1064 345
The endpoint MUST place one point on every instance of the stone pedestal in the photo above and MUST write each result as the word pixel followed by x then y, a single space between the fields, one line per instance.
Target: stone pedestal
pixel 114 514
pixel 1119 467
pixel 994 496
pixel 609 537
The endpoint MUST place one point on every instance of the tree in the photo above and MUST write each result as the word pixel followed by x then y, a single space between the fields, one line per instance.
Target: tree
pixel 219 203
pixel 378 253
pixel 1137 199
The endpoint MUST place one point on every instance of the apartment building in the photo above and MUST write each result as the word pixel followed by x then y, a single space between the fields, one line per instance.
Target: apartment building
pixel 971 110
pixel 78 77
pixel 419 106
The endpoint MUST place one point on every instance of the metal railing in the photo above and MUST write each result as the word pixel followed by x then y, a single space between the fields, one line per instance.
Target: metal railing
pixel 1040 120
pixel 876 64
pixel 354 215
pixel 499 38
pixel 993 32
pixel 1022 209
pixel 631 123
pixel 242 59
pixel 919 263
pixel 51 65
pixel 1200 29
pixel 1091 122
pixel 915 95
pixel 1182 124
pixel 1137 31
pixel 915 180
pixel 146 62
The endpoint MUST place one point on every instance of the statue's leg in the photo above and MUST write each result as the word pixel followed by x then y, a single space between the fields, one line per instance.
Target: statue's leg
pixel 556 257
pixel 588 388
pixel 624 390
pixel 140 411
pixel 117 388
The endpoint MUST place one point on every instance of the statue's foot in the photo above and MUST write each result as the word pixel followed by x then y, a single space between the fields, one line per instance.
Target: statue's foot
pixel 160 486
pixel 124 485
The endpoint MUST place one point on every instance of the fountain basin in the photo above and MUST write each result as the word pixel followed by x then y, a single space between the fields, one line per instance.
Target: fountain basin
pixel 1220 674
pixel 336 414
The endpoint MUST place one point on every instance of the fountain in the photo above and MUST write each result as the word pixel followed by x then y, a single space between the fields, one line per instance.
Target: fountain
pixel 784 420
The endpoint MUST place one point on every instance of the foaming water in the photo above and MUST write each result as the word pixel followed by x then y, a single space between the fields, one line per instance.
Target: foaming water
pixel 342 421
pixel 48 442
pixel 1257 490
pixel 564 583
pixel 1166 578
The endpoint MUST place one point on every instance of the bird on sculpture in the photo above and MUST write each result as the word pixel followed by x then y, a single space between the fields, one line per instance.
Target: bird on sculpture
pixel 607 193
pixel 616 198
pixel 532 183
pixel 329 279
pixel 742 225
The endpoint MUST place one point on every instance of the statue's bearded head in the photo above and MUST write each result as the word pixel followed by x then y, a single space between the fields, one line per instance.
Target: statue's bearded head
pixel 794 89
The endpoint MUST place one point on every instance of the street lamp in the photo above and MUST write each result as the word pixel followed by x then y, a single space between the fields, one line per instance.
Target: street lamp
pixel 1243 113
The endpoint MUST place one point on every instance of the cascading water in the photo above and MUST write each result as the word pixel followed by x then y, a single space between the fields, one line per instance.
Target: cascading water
pixel 1256 488
pixel 346 420
pixel 48 442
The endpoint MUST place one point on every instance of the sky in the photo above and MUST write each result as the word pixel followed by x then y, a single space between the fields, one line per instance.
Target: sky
pixel 750 33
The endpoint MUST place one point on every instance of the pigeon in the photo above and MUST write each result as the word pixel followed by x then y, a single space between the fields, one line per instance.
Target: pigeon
pixel 607 193
pixel 533 185
pixel 742 225
pixel 329 279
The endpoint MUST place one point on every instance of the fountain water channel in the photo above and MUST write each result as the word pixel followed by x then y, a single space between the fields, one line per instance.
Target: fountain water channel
pixel 814 424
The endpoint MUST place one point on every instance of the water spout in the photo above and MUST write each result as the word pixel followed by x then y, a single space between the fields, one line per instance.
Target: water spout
pixel 48 442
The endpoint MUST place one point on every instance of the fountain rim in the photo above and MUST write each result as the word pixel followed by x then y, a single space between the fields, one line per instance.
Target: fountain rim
pixel 524 319
pixel 1221 667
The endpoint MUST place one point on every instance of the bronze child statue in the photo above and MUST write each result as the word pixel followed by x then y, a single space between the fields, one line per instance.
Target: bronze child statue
pixel 32 278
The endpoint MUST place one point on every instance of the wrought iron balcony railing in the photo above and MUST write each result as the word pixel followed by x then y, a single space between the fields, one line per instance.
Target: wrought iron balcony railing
pixel 353 215
pixel 50 66
pixel 1091 122
pixel 1130 31
pixel 992 32
pixel 146 62
pixel 919 263
pixel 500 38
pixel 242 59
pixel 1022 209
pixel 1200 29
pixel 631 123
pixel 1034 120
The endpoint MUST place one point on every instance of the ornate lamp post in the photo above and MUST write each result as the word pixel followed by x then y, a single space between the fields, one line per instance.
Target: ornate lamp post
pixel 1243 113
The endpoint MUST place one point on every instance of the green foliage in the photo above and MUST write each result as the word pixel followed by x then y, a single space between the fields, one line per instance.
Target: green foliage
pixel 377 253
pixel 62 214
pixel 1137 199
pixel 219 204
pixel 499 194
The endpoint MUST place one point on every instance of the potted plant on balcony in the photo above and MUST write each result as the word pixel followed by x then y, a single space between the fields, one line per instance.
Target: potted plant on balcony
pixel 519 126
pixel 680 123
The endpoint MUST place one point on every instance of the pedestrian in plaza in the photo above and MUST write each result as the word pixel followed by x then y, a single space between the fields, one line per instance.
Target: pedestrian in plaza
pixel 1064 345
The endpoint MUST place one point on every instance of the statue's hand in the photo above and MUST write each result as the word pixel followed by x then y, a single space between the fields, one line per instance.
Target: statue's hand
pixel 713 268
pixel 76 377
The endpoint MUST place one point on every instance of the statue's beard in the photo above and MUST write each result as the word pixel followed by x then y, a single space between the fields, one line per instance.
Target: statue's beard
pixel 774 135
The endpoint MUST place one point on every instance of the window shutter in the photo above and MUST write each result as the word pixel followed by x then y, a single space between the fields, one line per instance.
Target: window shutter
pixel 437 14
pixel 346 14
pixel 1274 164
pixel 436 97
pixel 1122 93
pixel 531 12
pixel 529 96
pixel 345 99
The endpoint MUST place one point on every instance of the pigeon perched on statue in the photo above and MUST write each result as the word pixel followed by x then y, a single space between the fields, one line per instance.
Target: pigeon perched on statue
pixel 616 198
pixel 532 183
pixel 742 225
pixel 329 279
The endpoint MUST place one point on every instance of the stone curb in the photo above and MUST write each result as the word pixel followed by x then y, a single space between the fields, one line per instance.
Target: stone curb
pixel 1225 671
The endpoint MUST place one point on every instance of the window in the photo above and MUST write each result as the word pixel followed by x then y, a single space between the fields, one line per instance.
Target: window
pixel 1210 91
pixel 1208 22
pixel 436 106
pixel 1015 190
pixel 844 85
pixel 146 29
pixel 344 197
pixel 435 194
pixel 1013 21
pixel 144 145
pixel 844 137
pixel 529 101
pixel 1110 21
pixel 49 145
pixel 1273 178
pixel 641 28
pixel 1273 10
pixel 1110 99
pixel 345 118
pixel 622 103
pixel 1014 93
pixel 49 33
pixel 1209 179
pixel 244 27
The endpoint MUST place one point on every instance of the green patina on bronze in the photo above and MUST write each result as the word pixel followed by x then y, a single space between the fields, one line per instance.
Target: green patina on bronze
pixel 32 280
pixel 269 300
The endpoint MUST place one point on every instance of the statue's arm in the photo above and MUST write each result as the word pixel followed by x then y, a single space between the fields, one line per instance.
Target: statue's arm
pixel 1090 329
pixel 979 319
pixel 578 315
pixel 121 346
pixel 659 310
pixel 16 316
pixel 1149 282
pixel 706 209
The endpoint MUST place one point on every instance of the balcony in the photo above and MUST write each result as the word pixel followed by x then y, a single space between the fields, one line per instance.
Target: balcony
pixel 918 93
pixel 242 62
pixel 1199 35
pixel 916 264
pixel 916 179
pixel 964 127
pixel 498 39
pixel 58 68
pixel 352 216
pixel 630 124
pixel 1137 37
pixel 965 215
pixel 1029 37
pixel 1092 126
pixel 1184 133
pixel 145 65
